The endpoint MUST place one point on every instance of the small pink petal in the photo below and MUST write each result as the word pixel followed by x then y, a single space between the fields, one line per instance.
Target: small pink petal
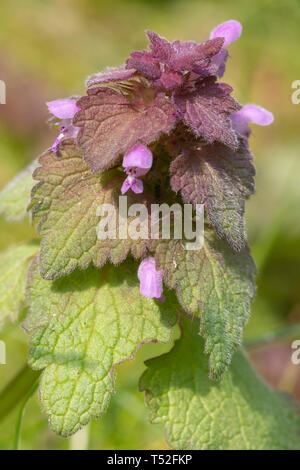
pixel 150 279
pixel 137 186
pixel 256 115
pixel 138 157
pixel 71 132
pixel 230 31
pixel 63 109
pixel 132 183
pixel 250 113
pixel 54 147
pixel 126 185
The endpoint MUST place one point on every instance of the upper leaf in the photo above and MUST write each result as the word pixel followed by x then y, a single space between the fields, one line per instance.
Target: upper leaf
pixel 216 284
pixel 15 197
pixel 166 61
pixel 221 179
pixel 113 74
pixel 238 413
pixel 66 199
pixel 82 327
pixel 207 109
pixel 111 125
pixel 14 264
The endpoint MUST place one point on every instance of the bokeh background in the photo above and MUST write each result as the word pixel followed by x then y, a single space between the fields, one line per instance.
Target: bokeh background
pixel 48 47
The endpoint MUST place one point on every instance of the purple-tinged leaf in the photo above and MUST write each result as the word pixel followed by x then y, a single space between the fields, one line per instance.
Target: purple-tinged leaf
pixel 207 111
pixel 169 80
pixel 145 64
pixel 111 125
pixel 166 61
pixel 113 74
pixel 215 284
pixel 221 179
pixel 186 55
pixel 66 200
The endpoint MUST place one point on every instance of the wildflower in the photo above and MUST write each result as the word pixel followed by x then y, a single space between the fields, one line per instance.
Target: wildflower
pixel 150 279
pixel 250 113
pixel 65 110
pixel 137 162
pixel 230 31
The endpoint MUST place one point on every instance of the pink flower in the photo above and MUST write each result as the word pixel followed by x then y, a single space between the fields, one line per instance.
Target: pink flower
pixel 132 183
pixel 150 279
pixel 64 109
pixel 250 113
pixel 230 31
pixel 137 162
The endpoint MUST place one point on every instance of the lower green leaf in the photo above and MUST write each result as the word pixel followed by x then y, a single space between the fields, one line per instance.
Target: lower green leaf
pixel 15 197
pixel 216 284
pixel 82 327
pixel 238 412
pixel 14 263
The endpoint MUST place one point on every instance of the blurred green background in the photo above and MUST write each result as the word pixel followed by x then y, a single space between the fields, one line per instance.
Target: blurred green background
pixel 47 50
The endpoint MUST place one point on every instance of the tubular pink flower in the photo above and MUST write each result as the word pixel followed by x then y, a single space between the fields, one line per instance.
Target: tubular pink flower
pixel 150 279
pixel 250 113
pixel 229 30
pixel 137 162
pixel 63 109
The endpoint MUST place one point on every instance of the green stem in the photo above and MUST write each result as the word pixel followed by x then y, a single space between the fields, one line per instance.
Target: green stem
pixel 80 440
pixel 15 391
pixel 29 394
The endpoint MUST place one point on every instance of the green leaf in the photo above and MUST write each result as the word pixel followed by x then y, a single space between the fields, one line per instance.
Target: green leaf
pixel 15 197
pixel 216 284
pixel 14 264
pixel 82 327
pixel 221 179
pixel 240 412
pixel 66 199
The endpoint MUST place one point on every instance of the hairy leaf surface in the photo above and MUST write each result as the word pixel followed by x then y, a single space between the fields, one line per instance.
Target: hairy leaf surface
pixel 239 412
pixel 82 326
pixel 216 284
pixel 207 111
pixel 221 179
pixel 66 199
pixel 111 125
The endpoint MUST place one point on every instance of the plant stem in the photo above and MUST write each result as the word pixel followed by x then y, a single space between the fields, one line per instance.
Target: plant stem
pixel 29 394
pixel 80 440
pixel 15 391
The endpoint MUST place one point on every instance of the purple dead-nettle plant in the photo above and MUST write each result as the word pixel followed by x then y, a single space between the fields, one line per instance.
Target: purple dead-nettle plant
pixel 160 130
pixel 175 128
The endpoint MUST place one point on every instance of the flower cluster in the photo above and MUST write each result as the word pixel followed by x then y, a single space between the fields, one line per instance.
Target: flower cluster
pixel 169 95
